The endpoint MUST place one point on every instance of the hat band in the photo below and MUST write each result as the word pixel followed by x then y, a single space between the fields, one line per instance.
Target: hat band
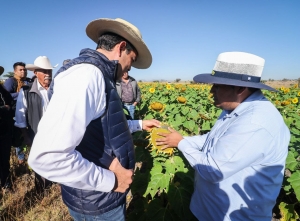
pixel 241 77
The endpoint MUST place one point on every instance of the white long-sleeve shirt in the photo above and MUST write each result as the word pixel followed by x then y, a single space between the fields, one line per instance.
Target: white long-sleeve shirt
pixel 79 97
pixel 21 106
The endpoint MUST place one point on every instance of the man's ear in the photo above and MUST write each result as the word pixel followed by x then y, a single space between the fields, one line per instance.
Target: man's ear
pixel 122 47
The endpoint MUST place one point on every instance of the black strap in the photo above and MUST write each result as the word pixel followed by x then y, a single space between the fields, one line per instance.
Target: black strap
pixel 241 77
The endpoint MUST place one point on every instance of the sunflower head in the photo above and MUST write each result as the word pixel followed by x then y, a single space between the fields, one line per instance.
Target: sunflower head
pixel 157 106
pixel 152 90
pixel 183 89
pixel 168 86
pixel 154 136
pixel 295 100
pixel 181 100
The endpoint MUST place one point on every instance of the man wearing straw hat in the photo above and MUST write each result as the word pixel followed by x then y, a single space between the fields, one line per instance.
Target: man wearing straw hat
pixel 239 164
pixel 32 103
pixel 90 149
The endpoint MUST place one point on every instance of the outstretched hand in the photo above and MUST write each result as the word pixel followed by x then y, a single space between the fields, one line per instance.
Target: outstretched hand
pixel 123 176
pixel 169 139
pixel 149 124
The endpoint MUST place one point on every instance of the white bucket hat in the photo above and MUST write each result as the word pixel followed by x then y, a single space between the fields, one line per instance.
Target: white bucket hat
pixel 1 70
pixel 41 62
pixel 236 69
pixel 125 29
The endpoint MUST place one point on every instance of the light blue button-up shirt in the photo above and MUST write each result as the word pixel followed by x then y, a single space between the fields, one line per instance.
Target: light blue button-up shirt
pixel 239 165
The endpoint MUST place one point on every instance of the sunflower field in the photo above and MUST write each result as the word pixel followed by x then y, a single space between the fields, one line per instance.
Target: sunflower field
pixel 163 181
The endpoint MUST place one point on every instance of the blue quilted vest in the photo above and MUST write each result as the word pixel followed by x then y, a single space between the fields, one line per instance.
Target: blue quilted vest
pixel 105 138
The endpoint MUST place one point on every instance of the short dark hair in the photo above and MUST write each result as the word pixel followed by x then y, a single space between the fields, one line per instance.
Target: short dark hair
pixel 109 40
pixel 19 64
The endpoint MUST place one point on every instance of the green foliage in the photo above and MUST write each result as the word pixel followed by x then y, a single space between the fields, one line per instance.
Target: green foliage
pixel 8 75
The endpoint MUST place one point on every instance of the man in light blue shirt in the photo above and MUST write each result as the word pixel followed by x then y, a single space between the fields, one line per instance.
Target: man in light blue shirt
pixel 239 164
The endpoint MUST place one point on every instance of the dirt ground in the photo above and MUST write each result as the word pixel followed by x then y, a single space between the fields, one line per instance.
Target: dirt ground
pixel 281 83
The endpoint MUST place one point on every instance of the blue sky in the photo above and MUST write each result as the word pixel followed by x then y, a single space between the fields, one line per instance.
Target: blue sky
pixel 184 37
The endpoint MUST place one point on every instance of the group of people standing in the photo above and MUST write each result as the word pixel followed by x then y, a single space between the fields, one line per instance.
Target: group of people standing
pixel 29 101
pixel 83 141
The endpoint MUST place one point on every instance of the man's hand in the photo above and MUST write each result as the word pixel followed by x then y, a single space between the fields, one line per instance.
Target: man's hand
pixel 149 124
pixel 135 103
pixel 169 140
pixel 123 176
pixel 7 107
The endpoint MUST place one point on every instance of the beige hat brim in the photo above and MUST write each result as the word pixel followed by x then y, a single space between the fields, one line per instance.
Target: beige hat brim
pixel 32 67
pixel 1 70
pixel 100 26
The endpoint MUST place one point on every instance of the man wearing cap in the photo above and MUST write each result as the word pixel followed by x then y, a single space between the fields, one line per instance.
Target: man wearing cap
pixel 89 148
pixel 239 164
pixel 32 103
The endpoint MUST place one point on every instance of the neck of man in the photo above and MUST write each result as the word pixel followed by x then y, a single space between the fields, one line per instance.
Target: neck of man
pixel 44 85
pixel 125 78
pixel 19 78
pixel 111 55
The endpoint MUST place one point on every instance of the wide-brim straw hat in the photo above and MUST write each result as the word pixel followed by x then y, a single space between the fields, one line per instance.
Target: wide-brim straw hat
pixel 41 62
pixel 236 69
pixel 125 29
pixel 1 70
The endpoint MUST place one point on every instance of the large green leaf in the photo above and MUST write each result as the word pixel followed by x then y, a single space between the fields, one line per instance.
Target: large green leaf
pixel 190 125
pixel 140 182
pixel 287 212
pixel 185 110
pixel 295 182
pixel 158 181
pixel 158 212
pixel 291 161
pixel 179 197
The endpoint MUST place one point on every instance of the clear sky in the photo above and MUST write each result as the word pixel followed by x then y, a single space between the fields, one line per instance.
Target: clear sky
pixel 184 37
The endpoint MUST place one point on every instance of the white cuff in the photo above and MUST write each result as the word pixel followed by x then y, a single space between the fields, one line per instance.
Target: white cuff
pixel 21 125
pixel 108 180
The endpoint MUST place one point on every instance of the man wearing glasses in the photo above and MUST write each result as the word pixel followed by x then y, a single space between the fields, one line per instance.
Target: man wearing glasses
pixel 32 103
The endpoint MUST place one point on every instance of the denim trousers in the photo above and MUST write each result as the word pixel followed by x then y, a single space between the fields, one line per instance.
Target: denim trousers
pixel 131 109
pixel 116 214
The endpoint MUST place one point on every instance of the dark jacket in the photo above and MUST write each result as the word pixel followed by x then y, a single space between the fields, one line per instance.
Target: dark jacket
pixel 11 85
pixel 135 89
pixel 105 138
pixel 6 116
pixel 34 111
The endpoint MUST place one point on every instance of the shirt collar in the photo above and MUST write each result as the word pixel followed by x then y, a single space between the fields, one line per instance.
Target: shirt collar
pixel 257 95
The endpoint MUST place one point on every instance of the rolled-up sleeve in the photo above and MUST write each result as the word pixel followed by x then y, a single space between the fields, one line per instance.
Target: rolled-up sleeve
pixel 79 98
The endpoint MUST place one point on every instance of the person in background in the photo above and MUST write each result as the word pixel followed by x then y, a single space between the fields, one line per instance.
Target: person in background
pixel 66 61
pixel 32 103
pixel 129 93
pixel 13 85
pixel 239 165
pixel 84 141
pixel 6 123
